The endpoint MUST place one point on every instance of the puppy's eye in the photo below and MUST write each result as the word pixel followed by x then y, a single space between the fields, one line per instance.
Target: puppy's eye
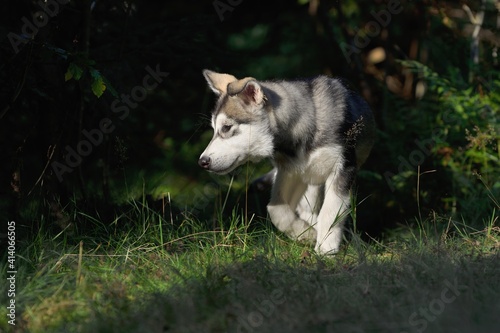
pixel 226 128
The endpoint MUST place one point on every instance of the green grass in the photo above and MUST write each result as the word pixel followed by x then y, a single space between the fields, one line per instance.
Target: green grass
pixel 439 276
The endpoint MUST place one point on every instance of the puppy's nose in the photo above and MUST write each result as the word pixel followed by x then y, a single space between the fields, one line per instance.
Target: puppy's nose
pixel 204 162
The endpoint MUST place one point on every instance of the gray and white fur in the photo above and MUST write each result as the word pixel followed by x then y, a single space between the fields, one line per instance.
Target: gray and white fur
pixel 317 132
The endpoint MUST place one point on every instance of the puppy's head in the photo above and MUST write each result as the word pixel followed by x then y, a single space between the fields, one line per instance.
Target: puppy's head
pixel 240 123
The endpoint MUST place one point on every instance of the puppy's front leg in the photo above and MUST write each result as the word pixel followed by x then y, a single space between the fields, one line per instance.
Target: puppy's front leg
pixel 332 215
pixel 310 204
pixel 286 193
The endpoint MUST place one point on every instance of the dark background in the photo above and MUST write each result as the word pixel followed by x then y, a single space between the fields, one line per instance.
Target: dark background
pixel 436 108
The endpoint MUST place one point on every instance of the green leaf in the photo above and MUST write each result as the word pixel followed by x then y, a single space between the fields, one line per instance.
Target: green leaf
pixel 98 86
pixel 74 72
pixel 68 76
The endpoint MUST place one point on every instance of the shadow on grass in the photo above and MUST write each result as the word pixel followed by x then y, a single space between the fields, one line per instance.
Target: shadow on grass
pixel 433 292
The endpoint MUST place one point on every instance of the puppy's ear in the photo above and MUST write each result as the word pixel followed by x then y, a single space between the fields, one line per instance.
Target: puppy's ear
pixel 248 89
pixel 218 82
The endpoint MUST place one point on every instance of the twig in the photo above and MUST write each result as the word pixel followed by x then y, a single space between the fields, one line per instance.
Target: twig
pixel 50 153
pixel 477 21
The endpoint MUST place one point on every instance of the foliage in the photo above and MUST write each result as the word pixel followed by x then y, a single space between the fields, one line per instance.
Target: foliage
pixel 459 130
pixel 76 70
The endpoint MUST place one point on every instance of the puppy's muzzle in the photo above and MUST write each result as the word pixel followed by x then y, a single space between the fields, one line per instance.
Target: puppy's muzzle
pixel 204 162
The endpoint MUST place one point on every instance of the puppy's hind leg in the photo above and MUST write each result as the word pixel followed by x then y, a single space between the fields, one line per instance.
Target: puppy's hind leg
pixel 288 189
